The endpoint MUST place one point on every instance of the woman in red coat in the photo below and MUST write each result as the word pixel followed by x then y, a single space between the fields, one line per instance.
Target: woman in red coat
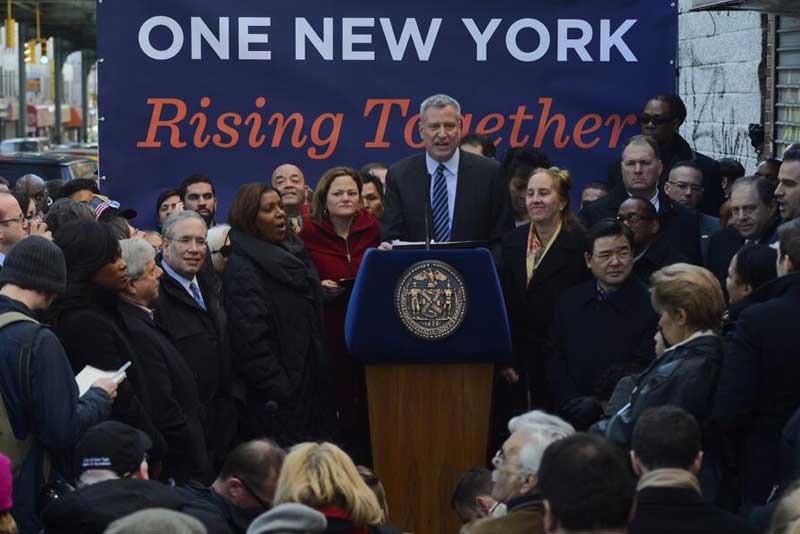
pixel 337 236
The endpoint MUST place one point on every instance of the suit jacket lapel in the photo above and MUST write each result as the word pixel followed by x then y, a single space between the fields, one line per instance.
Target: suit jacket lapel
pixel 556 257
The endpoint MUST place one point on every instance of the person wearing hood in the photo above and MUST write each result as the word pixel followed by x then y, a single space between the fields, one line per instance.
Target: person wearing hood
pixel 86 321
pixel 273 299
pixel 758 391
pixel 43 410
pixel 337 236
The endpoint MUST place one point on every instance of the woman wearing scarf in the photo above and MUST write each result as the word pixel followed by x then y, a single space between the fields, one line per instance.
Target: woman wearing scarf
pixel 273 299
pixel 540 261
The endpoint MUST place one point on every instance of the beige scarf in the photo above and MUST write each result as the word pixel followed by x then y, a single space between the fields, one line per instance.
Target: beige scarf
pixel 669 478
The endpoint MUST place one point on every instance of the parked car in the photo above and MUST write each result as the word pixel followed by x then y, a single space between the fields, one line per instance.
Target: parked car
pixel 49 166
pixel 25 144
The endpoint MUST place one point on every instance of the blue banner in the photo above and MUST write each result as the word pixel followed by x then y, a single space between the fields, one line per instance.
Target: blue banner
pixel 233 89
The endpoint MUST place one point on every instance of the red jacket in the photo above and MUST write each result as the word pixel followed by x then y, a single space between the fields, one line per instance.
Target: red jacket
pixel 336 258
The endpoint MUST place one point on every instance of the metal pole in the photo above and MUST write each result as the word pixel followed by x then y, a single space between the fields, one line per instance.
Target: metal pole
pixel 22 121
pixel 84 96
pixel 59 66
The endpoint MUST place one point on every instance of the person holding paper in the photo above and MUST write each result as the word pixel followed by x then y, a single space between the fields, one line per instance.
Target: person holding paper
pixel 52 417
pixel 463 195
pixel 86 321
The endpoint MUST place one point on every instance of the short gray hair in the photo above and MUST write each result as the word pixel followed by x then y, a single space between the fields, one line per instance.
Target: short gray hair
pixel 541 430
pixel 167 229
pixel 136 253
pixel 438 101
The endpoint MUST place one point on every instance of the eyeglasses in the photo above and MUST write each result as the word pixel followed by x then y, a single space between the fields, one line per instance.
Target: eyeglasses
pixel 225 250
pixel 263 504
pixel 633 218
pixel 621 254
pixel 683 186
pixel 656 121
pixel 187 241
pixel 18 219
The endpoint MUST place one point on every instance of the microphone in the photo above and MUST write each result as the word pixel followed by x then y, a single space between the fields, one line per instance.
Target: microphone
pixel 427 213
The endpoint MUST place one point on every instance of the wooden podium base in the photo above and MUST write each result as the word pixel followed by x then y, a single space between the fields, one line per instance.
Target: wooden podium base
pixel 429 424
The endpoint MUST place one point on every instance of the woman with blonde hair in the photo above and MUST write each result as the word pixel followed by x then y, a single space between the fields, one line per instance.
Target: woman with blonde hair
pixel 688 358
pixel 322 476
pixel 540 261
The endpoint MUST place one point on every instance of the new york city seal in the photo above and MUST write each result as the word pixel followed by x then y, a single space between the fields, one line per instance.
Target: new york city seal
pixel 431 300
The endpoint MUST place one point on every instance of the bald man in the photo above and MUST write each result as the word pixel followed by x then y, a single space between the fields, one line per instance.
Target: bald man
pixel 290 182
pixel 36 188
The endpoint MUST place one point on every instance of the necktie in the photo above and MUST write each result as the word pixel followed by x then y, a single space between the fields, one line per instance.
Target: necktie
pixel 441 214
pixel 198 298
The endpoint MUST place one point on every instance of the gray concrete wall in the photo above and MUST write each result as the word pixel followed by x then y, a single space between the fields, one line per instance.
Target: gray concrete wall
pixel 719 54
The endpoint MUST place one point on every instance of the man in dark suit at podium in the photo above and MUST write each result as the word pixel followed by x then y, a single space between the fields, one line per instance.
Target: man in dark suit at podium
pixel 463 195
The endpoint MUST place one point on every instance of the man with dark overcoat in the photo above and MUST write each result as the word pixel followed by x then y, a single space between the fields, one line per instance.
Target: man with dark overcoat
pixel 190 308
pixel 600 325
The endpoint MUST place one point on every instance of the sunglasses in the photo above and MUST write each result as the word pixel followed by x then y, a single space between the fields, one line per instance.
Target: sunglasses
pixel 225 250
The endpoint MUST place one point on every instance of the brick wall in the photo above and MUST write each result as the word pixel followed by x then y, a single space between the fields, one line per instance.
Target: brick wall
pixel 721 80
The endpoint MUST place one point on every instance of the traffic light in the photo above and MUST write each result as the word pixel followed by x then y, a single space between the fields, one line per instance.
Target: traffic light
pixel 30 51
pixel 43 58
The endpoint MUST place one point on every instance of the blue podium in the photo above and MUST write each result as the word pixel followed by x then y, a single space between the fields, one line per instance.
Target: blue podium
pixel 429 326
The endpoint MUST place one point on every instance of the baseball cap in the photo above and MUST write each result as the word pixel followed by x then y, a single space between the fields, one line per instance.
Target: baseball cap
pixel 106 209
pixel 113 446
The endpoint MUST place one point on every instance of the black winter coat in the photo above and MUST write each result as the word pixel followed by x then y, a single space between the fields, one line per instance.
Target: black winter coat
pixel 682 511
pixel 90 509
pixel 274 303
pixel 660 254
pixel 591 336
pixel 531 306
pixel 758 388
pixel 86 322
pixel 724 245
pixel 679 226
pixel 201 337
pixel 173 393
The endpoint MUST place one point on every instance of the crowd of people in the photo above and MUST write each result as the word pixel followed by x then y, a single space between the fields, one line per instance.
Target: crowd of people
pixel 653 386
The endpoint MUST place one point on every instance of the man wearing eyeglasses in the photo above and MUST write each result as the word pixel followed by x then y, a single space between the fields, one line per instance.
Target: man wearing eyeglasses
pixel 189 308
pixel 685 186
pixel 582 353
pixel 243 490
pixel 13 225
pixel 660 119
pixel 651 251
pixel 641 167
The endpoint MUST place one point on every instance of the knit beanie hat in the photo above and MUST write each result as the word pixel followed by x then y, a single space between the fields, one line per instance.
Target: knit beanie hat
pixel 156 521
pixel 289 518
pixel 88 246
pixel 37 264
pixel 6 479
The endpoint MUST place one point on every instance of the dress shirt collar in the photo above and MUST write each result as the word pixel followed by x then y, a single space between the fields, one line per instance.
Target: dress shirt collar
pixel 654 201
pixel 451 164
pixel 185 282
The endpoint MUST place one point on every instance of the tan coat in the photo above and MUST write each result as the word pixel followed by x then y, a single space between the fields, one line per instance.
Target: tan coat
pixel 527 518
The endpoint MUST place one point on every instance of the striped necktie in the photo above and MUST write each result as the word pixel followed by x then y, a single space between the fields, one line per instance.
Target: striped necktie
pixel 441 214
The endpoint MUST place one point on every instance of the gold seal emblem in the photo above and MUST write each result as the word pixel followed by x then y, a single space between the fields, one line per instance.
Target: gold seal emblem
pixel 431 300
